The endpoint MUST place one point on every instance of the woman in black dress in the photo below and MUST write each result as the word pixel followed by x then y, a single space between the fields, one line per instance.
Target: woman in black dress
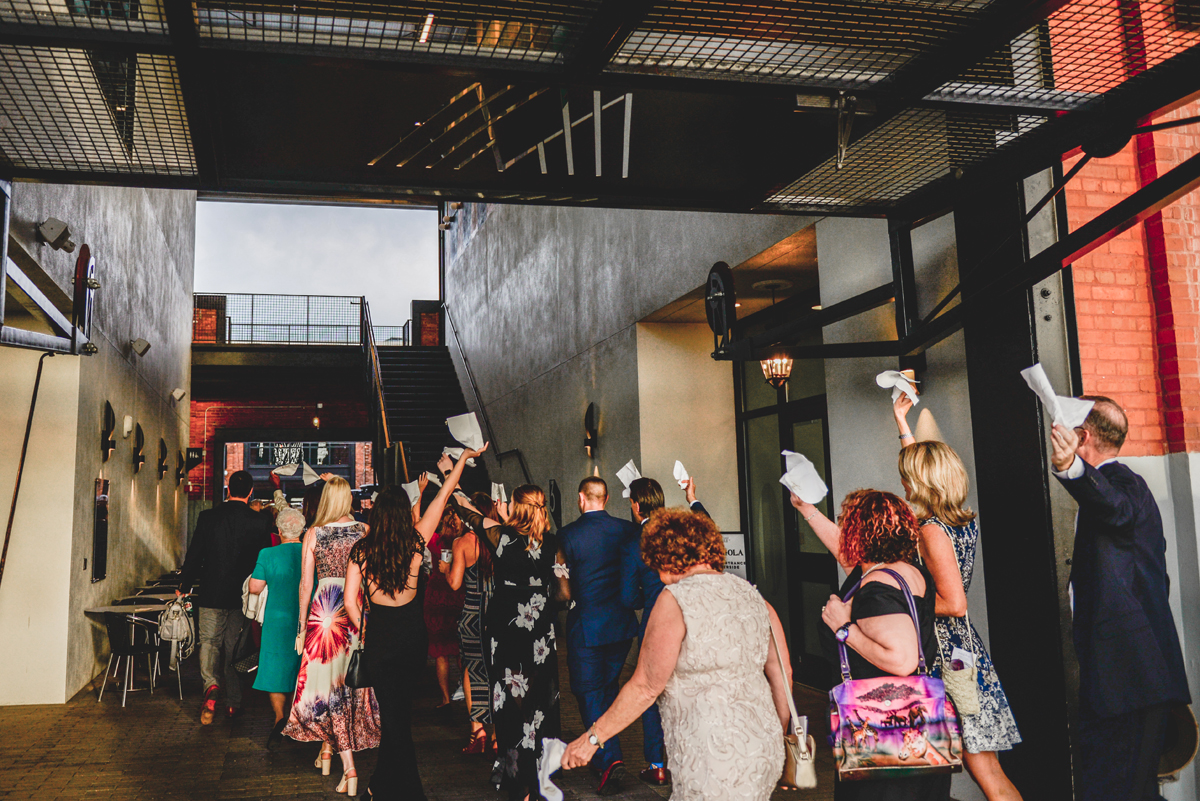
pixel 385 568
pixel 878 530
pixel 529 572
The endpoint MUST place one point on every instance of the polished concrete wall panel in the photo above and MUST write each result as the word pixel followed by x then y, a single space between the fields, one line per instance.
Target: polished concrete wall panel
pixel 143 241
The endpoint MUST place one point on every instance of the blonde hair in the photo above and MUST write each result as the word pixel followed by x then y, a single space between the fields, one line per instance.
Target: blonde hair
pixel 527 514
pixel 335 501
pixel 937 482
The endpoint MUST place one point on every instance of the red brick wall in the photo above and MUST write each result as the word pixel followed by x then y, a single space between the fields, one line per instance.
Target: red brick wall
pixel 364 469
pixel 1137 302
pixel 208 417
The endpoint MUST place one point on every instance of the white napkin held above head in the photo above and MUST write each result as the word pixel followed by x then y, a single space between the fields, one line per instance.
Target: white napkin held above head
pixel 499 494
pixel 899 384
pixel 413 489
pixel 801 478
pixel 681 474
pixel 433 479
pixel 628 474
pixel 455 453
pixel 1067 412
pixel 309 475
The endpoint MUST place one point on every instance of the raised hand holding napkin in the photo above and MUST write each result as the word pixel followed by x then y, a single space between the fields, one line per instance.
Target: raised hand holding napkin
pixel 681 474
pixel 1067 412
pixel 802 479
pixel 899 383
pixel 628 474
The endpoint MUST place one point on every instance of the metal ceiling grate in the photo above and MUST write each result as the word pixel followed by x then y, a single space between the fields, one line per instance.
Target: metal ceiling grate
pixel 529 31
pixel 815 42
pixel 90 111
pixel 913 149
pixel 139 16
pixel 1083 50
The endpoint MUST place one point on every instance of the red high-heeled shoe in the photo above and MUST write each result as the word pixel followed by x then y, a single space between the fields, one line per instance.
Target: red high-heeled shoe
pixel 478 742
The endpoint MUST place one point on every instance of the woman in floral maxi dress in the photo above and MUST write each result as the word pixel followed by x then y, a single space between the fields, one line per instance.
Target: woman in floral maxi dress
pixel 324 709
pixel 529 572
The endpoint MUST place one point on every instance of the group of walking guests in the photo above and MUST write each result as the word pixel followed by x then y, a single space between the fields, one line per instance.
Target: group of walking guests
pixel 712 676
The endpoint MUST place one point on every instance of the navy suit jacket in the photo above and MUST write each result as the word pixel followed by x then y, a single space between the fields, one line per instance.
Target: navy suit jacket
pixel 594 545
pixel 1125 637
pixel 642 584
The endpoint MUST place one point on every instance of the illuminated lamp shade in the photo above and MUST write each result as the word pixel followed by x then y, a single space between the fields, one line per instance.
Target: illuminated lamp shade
pixel 777 370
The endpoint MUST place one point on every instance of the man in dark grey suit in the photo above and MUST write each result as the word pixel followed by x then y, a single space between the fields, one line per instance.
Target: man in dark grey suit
pixel 1130 664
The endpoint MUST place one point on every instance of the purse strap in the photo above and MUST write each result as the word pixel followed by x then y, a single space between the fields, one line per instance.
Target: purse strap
pixel 783 670
pixel 912 611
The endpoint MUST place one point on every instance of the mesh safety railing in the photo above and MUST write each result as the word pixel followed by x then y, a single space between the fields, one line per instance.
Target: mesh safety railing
pixel 248 319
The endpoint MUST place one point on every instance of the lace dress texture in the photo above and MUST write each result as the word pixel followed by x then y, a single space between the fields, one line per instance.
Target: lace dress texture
pixel 722 734
pixel 994 728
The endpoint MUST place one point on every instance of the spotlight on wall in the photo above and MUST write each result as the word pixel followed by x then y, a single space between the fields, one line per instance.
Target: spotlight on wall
pixel 55 233
pixel 178 394
pixel 140 346
pixel 316 422
pixel 591 430
pixel 127 427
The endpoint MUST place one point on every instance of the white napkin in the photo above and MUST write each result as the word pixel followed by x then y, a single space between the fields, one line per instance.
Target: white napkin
pixel 433 479
pixel 286 469
pixel 1067 412
pixel 465 429
pixel 499 494
pixel 310 476
pixel 628 474
pixel 966 657
pixel 413 489
pixel 454 453
pixel 550 763
pixel 681 474
pixel 802 479
pixel 899 384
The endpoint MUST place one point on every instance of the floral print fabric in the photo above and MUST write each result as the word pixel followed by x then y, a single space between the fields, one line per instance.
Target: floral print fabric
pixel 994 728
pixel 324 709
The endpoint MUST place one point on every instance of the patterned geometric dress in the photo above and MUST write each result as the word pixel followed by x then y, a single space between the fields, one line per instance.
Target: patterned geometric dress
pixel 994 728
pixel 523 655
pixel 470 639
pixel 324 708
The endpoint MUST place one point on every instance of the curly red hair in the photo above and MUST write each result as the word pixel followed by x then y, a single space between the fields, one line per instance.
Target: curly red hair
pixel 674 540
pixel 877 527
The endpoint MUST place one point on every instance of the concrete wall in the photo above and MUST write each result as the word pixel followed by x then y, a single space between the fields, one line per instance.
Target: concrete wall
pixel 143 241
pixel 545 301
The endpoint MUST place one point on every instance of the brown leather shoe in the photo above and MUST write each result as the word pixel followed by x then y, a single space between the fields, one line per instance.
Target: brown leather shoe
pixel 656 777
pixel 208 709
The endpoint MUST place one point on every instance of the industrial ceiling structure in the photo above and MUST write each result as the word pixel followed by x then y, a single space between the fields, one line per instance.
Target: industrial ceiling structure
pixel 870 107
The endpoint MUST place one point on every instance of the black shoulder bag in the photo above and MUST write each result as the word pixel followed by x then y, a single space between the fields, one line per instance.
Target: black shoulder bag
pixel 357 676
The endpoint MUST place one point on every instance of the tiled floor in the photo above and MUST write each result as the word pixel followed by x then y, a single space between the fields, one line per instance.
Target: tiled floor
pixel 155 748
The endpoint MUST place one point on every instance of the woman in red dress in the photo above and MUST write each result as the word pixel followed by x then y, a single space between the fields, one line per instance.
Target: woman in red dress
pixel 443 605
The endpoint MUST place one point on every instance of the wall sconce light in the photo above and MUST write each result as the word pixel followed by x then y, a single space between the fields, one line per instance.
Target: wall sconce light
pixel 139 446
pixel 140 346
pixel 777 370
pixel 180 468
pixel 591 426
pixel 178 394
pixel 316 422
pixel 108 425
pixel 162 458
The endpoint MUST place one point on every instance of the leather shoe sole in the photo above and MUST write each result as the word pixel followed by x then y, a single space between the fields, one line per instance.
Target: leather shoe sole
pixel 610 782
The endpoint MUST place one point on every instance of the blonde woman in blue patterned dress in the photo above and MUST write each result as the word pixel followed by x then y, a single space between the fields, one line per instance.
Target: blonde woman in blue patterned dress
pixel 936 484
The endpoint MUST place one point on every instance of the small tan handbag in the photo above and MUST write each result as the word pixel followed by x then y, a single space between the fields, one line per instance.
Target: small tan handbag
pixel 799 747
pixel 962 685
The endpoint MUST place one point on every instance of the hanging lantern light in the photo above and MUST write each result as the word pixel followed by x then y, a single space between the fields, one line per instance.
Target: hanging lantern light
pixel 776 370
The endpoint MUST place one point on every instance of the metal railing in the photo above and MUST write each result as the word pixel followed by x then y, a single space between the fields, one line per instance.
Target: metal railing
pixel 251 319
pixel 374 373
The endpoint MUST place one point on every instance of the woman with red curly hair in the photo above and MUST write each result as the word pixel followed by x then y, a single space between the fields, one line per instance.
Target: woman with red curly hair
pixel 878 530
pixel 708 657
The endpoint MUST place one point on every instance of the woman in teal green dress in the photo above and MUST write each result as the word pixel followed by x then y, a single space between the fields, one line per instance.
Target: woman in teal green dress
pixel 278 570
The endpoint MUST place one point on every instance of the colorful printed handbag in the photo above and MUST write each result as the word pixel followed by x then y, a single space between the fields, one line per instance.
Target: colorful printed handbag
pixel 893 726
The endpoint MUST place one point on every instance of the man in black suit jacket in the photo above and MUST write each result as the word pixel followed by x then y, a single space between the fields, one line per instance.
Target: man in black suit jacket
pixel 222 554
pixel 1130 664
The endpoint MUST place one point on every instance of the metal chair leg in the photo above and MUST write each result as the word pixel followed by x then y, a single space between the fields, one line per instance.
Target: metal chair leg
pixel 128 679
pixel 150 667
pixel 179 677
pixel 104 681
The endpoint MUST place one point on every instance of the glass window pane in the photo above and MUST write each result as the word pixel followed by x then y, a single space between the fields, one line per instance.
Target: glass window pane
pixel 758 393
pixel 809 439
pixel 765 507
pixel 808 375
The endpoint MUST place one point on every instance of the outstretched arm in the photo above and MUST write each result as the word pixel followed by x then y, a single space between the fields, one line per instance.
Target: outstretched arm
pixel 939 556
pixel 900 408
pixel 826 530
pixel 428 524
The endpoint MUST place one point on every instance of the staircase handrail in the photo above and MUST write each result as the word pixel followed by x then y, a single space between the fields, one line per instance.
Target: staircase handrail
pixel 487 422
pixel 372 353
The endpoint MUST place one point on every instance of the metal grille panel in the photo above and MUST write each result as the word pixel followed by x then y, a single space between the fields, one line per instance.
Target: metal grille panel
pixel 79 110
pixel 241 318
pixel 915 148
pixel 814 42
pixel 144 16
pixel 531 31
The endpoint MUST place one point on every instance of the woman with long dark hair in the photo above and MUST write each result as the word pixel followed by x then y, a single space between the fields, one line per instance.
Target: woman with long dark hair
pixel 385 568
pixel 520 633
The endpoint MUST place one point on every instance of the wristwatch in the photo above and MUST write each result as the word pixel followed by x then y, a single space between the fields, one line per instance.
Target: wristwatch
pixel 843 633
pixel 593 739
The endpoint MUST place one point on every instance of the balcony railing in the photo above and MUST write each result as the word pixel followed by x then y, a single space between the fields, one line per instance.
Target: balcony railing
pixel 248 319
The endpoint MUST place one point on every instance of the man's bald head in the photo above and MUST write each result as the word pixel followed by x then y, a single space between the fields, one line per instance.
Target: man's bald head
pixel 1107 423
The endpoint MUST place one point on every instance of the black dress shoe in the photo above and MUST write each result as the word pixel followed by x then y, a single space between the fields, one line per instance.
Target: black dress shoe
pixel 233 712
pixel 656 777
pixel 276 735
pixel 610 780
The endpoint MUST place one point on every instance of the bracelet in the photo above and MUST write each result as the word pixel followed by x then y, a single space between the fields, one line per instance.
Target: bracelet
pixel 902 436
pixel 810 517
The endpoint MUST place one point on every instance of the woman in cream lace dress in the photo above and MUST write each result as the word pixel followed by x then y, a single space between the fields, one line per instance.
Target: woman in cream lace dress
pixel 709 660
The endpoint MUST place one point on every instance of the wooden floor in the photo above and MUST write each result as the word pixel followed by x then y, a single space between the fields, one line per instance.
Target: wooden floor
pixel 155 748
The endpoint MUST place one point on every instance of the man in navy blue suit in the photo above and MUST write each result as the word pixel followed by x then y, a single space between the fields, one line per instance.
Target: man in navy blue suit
pixel 1130 664
pixel 640 591
pixel 600 628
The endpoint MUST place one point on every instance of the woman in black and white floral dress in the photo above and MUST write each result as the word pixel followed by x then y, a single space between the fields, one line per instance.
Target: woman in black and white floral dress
pixel 528 574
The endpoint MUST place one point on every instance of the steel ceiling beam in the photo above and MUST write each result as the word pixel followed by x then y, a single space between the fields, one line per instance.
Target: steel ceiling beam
pixel 193 87
pixel 83 36
pixel 604 35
